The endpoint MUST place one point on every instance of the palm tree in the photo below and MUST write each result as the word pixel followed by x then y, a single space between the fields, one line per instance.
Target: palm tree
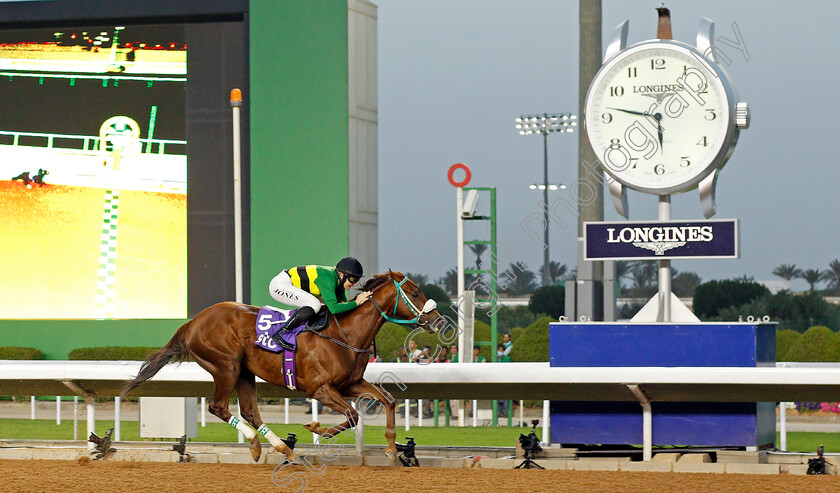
pixel 556 272
pixel 478 250
pixel 521 282
pixel 623 270
pixel 787 272
pixel 684 284
pixel 419 279
pixel 832 276
pixel 643 273
pixel 811 276
pixel 449 281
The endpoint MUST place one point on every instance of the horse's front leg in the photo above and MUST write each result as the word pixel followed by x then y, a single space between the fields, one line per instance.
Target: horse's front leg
pixel 372 392
pixel 331 398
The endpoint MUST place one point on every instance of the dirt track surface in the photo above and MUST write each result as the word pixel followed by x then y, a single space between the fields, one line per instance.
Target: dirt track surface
pixel 83 475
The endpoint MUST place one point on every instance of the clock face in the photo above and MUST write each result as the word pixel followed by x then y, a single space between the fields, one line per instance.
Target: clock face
pixel 659 117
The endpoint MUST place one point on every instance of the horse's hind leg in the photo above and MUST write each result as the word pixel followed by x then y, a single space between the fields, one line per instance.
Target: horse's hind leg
pixel 246 389
pixel 218 407
pixel 334 400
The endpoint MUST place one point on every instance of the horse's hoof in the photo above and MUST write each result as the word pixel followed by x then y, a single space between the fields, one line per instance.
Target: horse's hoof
pixel 312 426
pixel 391 454
pixel 256 448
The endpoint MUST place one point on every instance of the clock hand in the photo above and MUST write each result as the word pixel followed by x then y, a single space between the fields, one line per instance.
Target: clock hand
pixel 643 113
pixel 659 129
pixel 657 117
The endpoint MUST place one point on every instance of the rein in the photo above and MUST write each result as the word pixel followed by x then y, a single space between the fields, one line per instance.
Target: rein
pixel 340 343
pixel 428 307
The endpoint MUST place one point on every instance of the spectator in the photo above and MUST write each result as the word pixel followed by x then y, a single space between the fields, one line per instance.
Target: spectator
pixel 426 355
pixel 375 359
pixel 501 357
pixel 508 345
pixel 443 357
pixel 413 351
pixel 453 351
pixel 478 358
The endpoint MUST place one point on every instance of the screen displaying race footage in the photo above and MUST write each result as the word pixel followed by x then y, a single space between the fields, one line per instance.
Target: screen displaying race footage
pixel 93 172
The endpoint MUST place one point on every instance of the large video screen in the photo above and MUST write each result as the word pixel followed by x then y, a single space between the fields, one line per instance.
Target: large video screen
pixel 93 172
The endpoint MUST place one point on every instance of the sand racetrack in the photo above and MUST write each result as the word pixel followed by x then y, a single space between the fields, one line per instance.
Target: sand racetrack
pixel 85 475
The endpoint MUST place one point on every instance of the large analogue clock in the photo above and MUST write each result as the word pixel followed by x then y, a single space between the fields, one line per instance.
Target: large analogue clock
pixel 661 118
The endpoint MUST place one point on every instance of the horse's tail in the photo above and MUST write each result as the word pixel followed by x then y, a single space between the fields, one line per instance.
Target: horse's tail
pixel 175 350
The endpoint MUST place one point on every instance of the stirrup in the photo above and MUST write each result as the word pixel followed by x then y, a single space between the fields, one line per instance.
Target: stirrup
pixel 280 341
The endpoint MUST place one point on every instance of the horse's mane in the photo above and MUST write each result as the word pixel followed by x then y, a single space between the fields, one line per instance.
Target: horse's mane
pixel 376 281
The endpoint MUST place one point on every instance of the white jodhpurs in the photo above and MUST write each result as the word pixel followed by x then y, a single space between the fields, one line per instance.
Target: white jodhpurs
pixel 282 290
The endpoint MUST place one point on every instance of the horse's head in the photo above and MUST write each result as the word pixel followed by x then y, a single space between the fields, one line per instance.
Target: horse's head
pixel 410 304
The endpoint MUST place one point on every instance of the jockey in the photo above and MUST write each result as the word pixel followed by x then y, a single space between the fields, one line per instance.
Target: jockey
pixel 301 286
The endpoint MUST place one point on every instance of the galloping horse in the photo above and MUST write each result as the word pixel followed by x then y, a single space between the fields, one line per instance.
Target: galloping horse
pixel 330 364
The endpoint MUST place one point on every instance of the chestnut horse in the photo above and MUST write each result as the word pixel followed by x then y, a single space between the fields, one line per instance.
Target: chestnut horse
pixel 330 364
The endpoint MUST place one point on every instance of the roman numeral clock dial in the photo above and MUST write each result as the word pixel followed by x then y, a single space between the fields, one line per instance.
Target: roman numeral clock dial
pixel 661 118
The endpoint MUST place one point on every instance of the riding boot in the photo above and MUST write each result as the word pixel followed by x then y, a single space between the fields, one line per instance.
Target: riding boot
pixel 301 315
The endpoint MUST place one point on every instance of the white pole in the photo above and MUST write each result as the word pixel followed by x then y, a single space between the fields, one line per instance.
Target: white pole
pixel 665 265
pixel 521 413
pixel 315 418
pixel 360 433
pixel 236 103
pixel 58 409
pixel 407 415
pixel 475 412
pixel 91 420
pixel 459 221
pixel 203 412
pixel 286 411
pixel 783 426
pixel 546 434
pixel 75 417
pixel 241 437
pixel 419 412
pixel 117 428
pixel 32 407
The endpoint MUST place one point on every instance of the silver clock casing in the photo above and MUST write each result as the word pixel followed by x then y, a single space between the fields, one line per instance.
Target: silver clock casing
pixel 723 148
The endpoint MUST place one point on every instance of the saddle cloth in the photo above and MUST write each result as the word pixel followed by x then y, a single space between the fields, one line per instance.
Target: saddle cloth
pixel 269 321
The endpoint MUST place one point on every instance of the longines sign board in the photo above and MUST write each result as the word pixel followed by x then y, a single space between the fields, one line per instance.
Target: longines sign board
pixel 661 240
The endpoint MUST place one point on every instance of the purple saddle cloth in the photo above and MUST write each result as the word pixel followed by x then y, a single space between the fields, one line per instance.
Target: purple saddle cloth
pixel 269 321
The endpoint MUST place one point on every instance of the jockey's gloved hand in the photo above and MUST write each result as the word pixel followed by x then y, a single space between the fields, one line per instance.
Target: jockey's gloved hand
pixel 362 297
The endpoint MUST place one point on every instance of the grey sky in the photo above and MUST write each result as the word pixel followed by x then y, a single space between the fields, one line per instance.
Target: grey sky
pixel 453 75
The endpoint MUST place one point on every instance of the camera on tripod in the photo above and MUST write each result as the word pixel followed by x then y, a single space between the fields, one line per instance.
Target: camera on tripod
pixel 406 453
pixel 530 442
pixel 530 448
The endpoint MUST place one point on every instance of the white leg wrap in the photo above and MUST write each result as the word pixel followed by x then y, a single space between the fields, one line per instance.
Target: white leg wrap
pixel 243 427
pixel 271 437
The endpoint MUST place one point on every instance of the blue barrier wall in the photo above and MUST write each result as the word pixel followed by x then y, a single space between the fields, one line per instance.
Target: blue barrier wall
pixel 657 344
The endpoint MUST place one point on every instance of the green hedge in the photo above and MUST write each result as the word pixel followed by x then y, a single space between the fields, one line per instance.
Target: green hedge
pixel 817 344
pixel 112 353
pixel 785 339
pixel 16 352
pixel 532 343
pixel 549 300
pixel 713 296
pixel 393 336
